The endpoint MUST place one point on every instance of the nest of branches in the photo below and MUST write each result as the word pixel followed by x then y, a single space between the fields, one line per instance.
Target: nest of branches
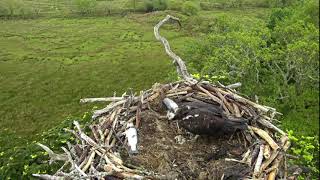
pixel 167 151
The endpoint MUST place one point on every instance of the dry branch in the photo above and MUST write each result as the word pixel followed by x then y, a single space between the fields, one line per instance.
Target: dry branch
pixel 105 99
pixel 263 134
pixel 53 156
pixel 259 161
pixel 179 63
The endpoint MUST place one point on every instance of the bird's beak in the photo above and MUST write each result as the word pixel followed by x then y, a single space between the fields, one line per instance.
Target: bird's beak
pixel 170 115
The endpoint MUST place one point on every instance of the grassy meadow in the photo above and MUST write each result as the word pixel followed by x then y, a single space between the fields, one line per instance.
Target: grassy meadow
pixel 47 65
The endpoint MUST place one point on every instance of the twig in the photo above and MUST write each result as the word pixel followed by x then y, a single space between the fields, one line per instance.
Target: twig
pixel 100 112
pixel 105 99
pixel 259 161
pixel 53 156
pixel 264 135
pixel 266 152
pixel 269 125
pixel 214 98
pixel 234 86
pixel 91 157
pixel 48 177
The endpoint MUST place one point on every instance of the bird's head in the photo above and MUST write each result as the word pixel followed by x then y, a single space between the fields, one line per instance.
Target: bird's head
pixel 130 124
pixel 172 108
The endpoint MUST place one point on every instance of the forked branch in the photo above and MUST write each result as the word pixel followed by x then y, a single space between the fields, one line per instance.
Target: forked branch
pixel 178 62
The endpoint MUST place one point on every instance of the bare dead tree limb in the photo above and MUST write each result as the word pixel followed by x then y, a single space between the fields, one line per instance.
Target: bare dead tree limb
pixel 179 63
pixel 105 99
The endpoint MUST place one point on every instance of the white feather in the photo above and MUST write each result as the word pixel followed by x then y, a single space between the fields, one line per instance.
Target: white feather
pixel 187 117
pixel 132 137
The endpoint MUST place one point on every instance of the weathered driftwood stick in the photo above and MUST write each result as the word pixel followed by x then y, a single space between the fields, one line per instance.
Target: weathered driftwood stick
pixel 236 110
pixel 105 99
pixel 94 132
pixel 272 175
pixel 181 67
pixel 276 162
pixel 214 98
pixel 48 177
pixel 245 157
pixel 264 135
pixel 182 89
pixel 285 144
pixel 53 156
pixel 177 93
pixel 234 86
pixel 100 112
pixel 91 157
pixel 84 137
pixel 235 160
pixel 258 161
pixel 266 152
pixel 269 161
pixel 269 125
pixel 264 109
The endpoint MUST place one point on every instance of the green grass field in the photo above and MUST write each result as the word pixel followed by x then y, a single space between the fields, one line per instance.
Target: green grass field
pixel 47 65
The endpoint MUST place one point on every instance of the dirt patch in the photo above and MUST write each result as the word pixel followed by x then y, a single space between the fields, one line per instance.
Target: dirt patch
pixel 169 150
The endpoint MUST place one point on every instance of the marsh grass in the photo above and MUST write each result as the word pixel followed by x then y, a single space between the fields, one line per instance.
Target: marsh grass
pixel 47 65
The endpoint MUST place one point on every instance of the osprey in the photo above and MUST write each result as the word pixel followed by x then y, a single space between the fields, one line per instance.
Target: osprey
pixel 203 118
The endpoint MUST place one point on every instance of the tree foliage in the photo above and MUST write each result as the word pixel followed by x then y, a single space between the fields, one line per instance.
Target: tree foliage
pixel 277 60
pixel 190 8
pixel 155 5
pixel 22 162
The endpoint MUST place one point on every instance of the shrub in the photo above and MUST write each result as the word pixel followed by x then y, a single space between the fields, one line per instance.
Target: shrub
pixel 306 148
pixel 160 5
pixel 311 12
pixel 16 8
pixel 22 162
pixel 175 5
pixel 148 6
pixel 281 3
pixel 3 10
pixel 277 60
pixel 85 7
pixel 155 5
pixel 190 8
pixel 278 15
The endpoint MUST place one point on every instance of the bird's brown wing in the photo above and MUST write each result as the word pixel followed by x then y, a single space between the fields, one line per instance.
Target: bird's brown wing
pixel 205 122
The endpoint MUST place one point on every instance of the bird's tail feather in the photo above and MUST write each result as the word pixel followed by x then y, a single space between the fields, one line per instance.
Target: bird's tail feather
pixel 241 124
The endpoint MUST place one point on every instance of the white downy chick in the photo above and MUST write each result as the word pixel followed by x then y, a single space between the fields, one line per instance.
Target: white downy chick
pixel 132 137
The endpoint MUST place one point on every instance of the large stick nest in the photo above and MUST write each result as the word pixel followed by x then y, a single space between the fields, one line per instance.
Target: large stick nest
pixel 167 151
